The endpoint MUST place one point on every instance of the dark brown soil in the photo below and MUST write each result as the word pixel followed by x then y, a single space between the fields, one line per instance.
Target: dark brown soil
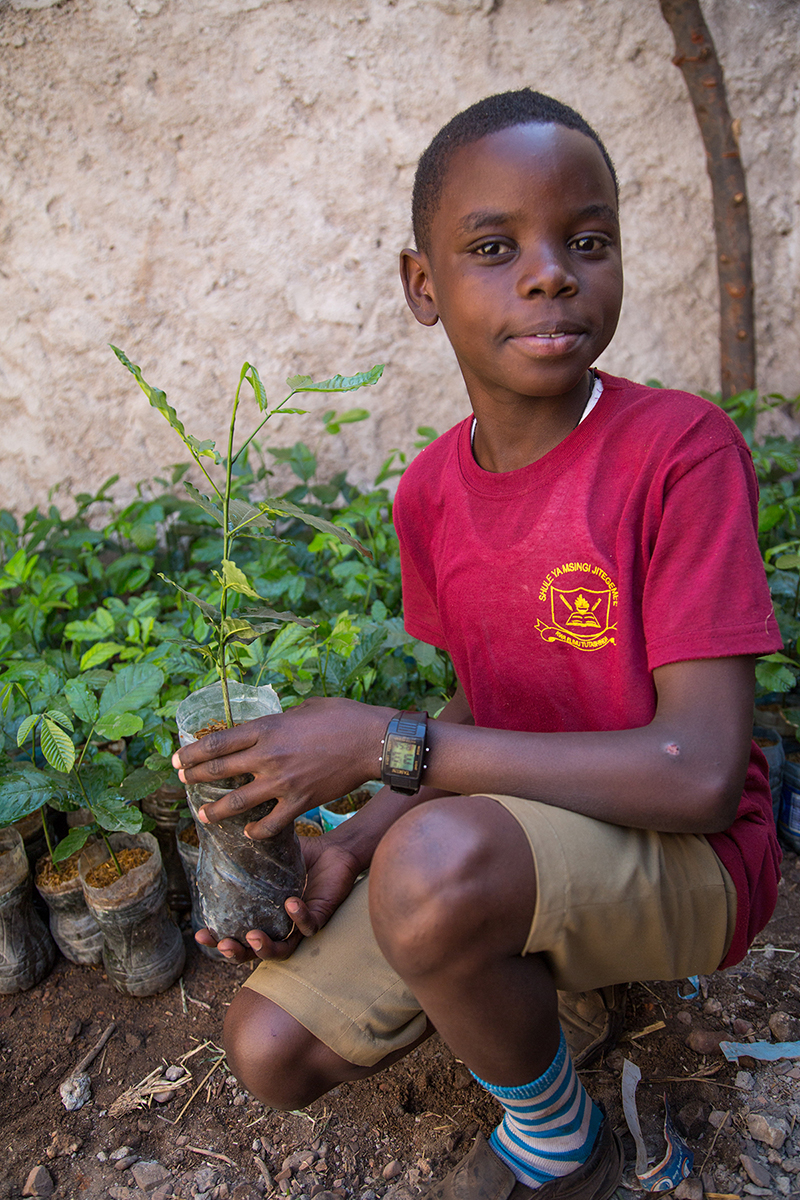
pixel 189 836
pixel 350 803
pixel 412 1123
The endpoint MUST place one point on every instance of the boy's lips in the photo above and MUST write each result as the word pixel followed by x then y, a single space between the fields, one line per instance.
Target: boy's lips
pixel 550 341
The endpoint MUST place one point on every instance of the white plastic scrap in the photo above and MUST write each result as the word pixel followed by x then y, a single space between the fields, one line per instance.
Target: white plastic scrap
pixel 676 1163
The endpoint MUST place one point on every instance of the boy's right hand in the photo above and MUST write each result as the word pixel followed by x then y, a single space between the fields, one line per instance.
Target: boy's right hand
pixel 332 872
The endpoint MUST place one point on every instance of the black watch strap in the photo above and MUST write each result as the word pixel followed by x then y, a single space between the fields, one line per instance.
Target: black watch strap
pixel 404 749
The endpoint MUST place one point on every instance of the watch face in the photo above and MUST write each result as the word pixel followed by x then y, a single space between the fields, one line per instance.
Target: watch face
pixel 402 753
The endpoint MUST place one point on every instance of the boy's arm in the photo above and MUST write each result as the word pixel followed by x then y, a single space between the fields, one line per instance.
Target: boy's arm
pixel 684 772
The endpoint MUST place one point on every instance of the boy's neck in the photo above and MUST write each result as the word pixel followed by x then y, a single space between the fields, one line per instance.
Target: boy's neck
pixel 513 434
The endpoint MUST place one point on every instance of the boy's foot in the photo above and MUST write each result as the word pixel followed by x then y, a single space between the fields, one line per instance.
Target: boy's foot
pixel 482 1176
pixel 592 1021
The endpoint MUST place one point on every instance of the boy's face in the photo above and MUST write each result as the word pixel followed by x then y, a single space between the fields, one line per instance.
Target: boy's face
pixel 525 267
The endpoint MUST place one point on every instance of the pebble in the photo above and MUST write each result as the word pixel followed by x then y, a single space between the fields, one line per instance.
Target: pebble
pixel 689 1189
pixel 741 1027
pixel 713 1006
pixel 240 1099
pixel 705 1041
pixel 39 1182
pixel 174 1073
pixel 685 1017
pixel 122 1164
pixel 770 1130
pixel 784 1185
pixel 755 1171
pixel 299 1161
pixel 751 1189
pixel 781 1026
pixel 121 1152
pixel 745 1081
pixel 163 1097
pixel 73 1030
pixel 392 1170
pixel 205 1178
pixel 150 1175
pixel 716 1117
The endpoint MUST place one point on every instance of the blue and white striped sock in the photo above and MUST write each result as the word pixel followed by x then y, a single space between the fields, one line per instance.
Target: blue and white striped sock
pixel 550 1125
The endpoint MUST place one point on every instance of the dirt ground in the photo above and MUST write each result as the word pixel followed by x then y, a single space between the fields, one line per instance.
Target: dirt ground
pixel 385 1137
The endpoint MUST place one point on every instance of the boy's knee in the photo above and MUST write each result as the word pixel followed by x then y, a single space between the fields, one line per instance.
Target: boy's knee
pixel 271 1054
pixel 428 880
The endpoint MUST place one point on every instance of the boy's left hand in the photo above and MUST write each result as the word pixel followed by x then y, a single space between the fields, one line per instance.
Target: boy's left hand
pixel 307 756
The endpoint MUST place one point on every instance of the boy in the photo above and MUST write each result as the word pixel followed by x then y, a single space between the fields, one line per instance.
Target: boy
pixel 593 812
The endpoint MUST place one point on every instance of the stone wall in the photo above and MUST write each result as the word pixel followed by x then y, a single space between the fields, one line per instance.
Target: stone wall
pixel 207 181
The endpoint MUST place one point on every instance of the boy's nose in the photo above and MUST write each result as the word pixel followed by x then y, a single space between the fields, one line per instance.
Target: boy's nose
pixel 546 272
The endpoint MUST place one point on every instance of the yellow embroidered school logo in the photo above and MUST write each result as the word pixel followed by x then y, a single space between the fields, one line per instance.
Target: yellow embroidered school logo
pixel 582 612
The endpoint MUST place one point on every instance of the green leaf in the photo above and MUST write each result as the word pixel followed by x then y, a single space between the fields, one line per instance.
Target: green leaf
pixel 208 609
pixel 75 840
pixel 82 700
pixel 234 578
pixel 131 688
pixel 116 725
pixel 240 514
pixel 115 815
pixel 99 653
pixel 162 740
pixel 254 379
pixel 285 508
pixel 22 791
pixel 56 745
pixel 267 613
pixel 57 714
pixel 339 383
pixel 788 562
pixel 158 400
pixel 26 726
pixel 143 782
pixel 204 502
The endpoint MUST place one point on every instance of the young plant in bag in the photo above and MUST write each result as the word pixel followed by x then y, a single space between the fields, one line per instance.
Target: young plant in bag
pixel 240 615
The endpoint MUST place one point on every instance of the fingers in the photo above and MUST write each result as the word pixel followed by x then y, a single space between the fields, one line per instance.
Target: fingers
pixel 231 949
pixel 240 800
pixel 221 743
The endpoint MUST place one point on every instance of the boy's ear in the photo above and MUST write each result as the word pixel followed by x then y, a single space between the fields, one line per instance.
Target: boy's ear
pixel 415 272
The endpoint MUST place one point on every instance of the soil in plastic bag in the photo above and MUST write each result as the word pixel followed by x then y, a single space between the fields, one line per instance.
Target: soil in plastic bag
pixel 74 929
pixel 27 952
pixel 188 846
pixel 242 884
pixel 143 951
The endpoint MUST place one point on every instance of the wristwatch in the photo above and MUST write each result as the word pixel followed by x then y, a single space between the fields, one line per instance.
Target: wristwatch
pixel 404 751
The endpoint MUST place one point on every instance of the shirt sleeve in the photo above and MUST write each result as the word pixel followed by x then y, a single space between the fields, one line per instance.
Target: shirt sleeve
pixel 706 593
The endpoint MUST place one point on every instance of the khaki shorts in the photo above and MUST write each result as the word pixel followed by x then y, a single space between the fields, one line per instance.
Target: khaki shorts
pixel 614 905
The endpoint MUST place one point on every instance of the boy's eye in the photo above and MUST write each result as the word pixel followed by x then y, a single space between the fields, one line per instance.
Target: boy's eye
pixel 590 243
pixel 491 249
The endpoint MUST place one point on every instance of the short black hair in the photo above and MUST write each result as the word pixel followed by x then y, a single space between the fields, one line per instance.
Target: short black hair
pixel 523 107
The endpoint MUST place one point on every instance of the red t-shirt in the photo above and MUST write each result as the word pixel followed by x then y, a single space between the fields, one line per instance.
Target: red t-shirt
pixel 558 588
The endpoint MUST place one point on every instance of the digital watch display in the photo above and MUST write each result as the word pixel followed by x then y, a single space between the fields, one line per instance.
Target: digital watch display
pixel 402 761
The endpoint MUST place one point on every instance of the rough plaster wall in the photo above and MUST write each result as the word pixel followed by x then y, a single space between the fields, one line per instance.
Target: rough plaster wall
pixel 208 181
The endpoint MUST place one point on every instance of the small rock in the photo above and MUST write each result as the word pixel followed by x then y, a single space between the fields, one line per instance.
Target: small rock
pixel 717 1117
pixel 771 1130
pixel 399 1192
pixel 685 1017
pixel 299 1161
pixel 741 1027
pixel 752 990
pixel 150 1175
pixel 144 1126
pixel 39 1182
pixel 392 1170
pixel 745 1081
pixel 713 1006
pixel 205 1178
pixel 101 1156
pixel 73 1029
pixel 122 1164
pixel 784 1067
pixel 181 1140
pixel 174 1073
pixel 121 1152
pixel 756 1172
pixel 692 1117
pixel 118 1192
pixel 689 1189
pixel 792 1165
pixel 75 1091
pixel 134 1041
pixel 752 1189
pixel 615 1061
pixel 245 1191
pixel 163 1192
pixel 784 1185
pixel 240 1099
pixel 782 1026
pixel 705 1041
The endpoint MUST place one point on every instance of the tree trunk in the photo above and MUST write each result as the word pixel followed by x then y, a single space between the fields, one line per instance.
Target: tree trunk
pixel 697 58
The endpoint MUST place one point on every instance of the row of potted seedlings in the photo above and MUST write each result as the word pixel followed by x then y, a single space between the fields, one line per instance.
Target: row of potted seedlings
pixel 105 882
